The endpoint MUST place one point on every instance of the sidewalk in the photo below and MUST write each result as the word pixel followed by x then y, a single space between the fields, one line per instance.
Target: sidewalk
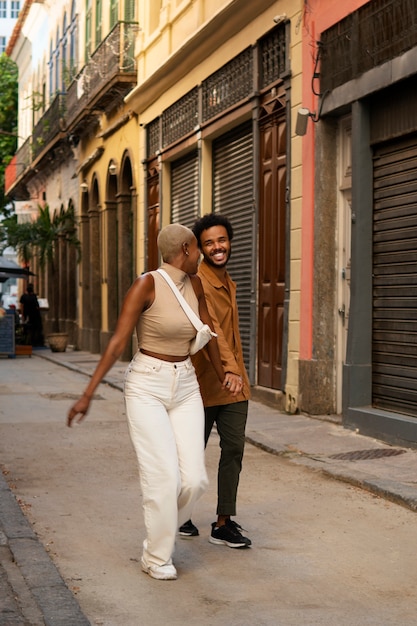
pixel 322 445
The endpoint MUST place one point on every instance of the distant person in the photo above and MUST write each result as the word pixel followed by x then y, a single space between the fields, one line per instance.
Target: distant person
pixel 214 234
pixel 31 315
pixel 162 396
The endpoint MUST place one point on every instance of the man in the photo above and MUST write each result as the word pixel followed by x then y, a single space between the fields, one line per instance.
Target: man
pixel 214 234
pixel 31 315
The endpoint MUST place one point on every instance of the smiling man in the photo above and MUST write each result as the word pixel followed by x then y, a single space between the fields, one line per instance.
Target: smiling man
pixel 214 234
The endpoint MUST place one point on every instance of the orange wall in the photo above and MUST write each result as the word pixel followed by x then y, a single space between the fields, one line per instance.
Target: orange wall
pixel 318 16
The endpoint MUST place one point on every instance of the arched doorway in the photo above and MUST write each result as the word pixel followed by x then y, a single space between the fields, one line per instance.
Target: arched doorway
pixel 126 228
pixel 94 268
pixel 84 339
pixel 110 246
pixel 152 182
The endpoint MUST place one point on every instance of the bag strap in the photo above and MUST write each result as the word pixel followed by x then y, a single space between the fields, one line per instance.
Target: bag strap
pixel 194 319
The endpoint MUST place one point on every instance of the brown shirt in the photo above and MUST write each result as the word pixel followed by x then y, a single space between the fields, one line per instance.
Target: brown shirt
pixel 222 306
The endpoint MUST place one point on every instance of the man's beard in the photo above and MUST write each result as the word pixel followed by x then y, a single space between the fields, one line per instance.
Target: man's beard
pixel 209 260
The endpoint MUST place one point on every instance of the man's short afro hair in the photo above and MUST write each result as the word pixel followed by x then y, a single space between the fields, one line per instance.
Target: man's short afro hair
pixel 209 220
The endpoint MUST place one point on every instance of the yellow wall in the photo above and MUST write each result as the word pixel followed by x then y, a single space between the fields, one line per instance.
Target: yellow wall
pixel 187 25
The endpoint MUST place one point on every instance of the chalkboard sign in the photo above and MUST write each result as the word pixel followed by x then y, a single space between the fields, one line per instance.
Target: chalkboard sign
pixel 7 335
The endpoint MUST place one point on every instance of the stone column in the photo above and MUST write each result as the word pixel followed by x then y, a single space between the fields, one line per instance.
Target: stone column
pixel 85 283
pixel 95 279
pixel 124 252
pixel 110 270
pixel 62 284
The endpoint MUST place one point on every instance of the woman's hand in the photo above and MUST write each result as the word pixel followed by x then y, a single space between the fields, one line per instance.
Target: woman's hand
pixel 140 295
pixel 78 410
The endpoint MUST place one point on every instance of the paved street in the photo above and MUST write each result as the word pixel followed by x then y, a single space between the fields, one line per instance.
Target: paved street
pixel 325 551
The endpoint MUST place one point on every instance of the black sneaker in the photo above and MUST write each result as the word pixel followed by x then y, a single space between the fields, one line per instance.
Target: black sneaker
pixel 188 530
pixel 229 535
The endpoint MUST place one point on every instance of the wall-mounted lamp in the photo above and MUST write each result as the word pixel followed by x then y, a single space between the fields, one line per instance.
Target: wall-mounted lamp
pixel 278 19
pixel 302 119
pixel 303 113
pixel 112 169
pixel 84 187
pixel 73 140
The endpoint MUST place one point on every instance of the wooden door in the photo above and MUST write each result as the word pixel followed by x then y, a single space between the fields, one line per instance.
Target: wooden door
pixel 272 242
pixel 153 214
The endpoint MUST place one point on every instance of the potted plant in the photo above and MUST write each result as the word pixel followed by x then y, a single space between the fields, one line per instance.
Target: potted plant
pixel 40 239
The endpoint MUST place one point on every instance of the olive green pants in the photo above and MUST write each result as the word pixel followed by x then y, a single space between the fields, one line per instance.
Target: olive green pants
pixel 230 420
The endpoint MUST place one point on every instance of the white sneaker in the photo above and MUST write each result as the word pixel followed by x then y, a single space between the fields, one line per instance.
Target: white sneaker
pixel 159 572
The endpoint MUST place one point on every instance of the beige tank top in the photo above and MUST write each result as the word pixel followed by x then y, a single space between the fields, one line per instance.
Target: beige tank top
pixel 164 328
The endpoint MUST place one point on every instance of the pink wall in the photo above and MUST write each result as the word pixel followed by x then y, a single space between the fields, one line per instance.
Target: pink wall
pixel 318 16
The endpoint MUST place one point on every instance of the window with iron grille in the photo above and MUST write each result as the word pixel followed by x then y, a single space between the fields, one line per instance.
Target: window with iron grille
pixel 153 137
pixel 273 56
pixel 229 85
pixel 234 82
pixel 368 37
pixel 180 119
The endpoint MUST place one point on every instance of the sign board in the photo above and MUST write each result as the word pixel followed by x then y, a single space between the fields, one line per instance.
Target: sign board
pixel 7 343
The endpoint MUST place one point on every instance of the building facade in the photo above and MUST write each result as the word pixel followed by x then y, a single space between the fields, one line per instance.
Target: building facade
pixel 361 210
pixel 9 12
pixel 215 120
pixel 146 113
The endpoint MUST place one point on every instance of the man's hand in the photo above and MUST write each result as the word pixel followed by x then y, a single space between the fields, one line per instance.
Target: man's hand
pixel 233 383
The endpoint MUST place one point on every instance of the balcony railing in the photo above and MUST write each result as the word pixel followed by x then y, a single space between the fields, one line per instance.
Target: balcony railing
pixel 101 84
pixel 50 125
pixel 108 76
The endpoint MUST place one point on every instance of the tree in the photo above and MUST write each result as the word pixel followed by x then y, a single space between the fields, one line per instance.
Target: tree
pixel 8 121
pixel 40 239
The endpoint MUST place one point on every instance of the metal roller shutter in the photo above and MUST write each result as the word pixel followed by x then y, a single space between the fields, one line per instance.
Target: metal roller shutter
pixel 233 196
pixel 394 340
pixel 185 190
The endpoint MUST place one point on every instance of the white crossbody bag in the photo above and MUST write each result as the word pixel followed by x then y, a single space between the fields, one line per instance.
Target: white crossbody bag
pixel 204 332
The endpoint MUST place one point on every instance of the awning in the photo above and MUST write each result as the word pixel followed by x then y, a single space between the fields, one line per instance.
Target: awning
pixel 10 269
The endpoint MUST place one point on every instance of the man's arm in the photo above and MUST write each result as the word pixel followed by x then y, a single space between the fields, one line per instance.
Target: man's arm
pixel 226 354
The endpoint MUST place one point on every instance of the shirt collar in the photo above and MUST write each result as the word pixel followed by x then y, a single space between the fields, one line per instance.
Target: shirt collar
pixel 209 274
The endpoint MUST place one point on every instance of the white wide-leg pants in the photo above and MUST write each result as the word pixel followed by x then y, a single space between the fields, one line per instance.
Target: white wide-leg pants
pixel 166 421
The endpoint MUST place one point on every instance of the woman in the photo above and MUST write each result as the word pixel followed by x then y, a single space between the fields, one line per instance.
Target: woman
pixel 163 402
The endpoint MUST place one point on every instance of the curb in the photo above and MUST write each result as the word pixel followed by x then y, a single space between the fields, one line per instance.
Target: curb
pixel 35 580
